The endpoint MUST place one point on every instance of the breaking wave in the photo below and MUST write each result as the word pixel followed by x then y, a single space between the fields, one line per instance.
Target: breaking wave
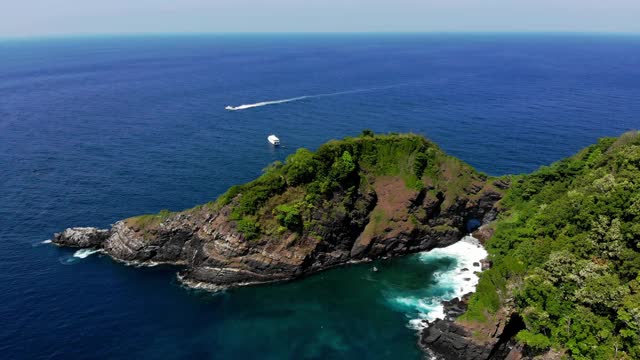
pixel 84 253
pixel 77 256
pixel 449 284
pixel 40 243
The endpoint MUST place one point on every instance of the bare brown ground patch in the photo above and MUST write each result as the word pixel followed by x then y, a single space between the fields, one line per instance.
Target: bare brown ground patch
pixel 483 332
pixel 394 197
pixel 390 217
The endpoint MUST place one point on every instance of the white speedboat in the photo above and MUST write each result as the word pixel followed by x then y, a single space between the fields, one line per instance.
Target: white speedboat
pixel 273 140
pixel 229 108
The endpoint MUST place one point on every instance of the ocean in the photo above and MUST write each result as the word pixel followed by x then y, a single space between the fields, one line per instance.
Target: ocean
pixel 96 129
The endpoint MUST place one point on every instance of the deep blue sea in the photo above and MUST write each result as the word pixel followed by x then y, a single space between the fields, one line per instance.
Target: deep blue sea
pixel 97 129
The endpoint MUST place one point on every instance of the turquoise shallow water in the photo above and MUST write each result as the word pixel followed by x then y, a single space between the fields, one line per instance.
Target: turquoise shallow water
pixel 93 130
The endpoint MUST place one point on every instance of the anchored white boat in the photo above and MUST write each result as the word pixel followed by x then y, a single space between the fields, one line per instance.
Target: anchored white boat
pixel 273 140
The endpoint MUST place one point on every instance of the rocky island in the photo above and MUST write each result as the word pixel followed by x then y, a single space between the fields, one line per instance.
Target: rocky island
pixel 563 242
pixel 352 200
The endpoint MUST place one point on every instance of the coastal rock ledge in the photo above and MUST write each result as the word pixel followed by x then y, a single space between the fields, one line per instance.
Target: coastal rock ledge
pixel 449 339
pixel 217 255
pixel 82 237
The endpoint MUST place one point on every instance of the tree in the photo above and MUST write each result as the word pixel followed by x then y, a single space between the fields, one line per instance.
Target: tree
pixel 538 342
pixel 249 228
pixel 367 133
pixel 300 167
pixel 343 167
pixel 288 215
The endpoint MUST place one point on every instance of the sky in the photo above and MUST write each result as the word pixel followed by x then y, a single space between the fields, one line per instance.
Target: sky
pixel 61 17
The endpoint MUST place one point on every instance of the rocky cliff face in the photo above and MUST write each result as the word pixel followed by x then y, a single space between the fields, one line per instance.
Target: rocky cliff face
pixel 82 237
pixel 453 340
pixel 217 254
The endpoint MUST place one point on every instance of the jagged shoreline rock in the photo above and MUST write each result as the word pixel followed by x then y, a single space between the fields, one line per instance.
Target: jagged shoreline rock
pixel 450 339
pixel 217 256
pixel 81 237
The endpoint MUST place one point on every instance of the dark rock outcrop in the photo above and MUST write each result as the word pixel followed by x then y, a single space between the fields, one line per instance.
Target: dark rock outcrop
pixel 455 307
pixel 81 237
pixel 452 340
pixel 218 255
pixel 483 233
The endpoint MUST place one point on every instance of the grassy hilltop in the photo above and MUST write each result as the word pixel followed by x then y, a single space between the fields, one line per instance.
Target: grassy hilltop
pixel 370 178
pixel 288 194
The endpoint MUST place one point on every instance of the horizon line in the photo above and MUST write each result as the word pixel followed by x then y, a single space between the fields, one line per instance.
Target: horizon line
pixel 315 33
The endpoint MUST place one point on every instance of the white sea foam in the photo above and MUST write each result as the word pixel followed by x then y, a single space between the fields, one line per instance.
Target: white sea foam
pixel 40 243
pixel 454 282
pixel 273 102
pixel 83 253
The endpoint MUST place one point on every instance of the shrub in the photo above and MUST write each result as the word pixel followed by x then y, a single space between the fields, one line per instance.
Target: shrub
pixel 300 167
pixel 537 342
pixel 367 133
pixel 249 228
pixel 343 167
pixel 288 215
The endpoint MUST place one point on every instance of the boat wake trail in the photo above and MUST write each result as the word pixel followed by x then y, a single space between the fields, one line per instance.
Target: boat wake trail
pixel 264 103
pixel 282 101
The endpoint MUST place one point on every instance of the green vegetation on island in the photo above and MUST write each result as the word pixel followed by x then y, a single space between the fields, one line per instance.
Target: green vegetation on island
pixel 337 176
pixel 566 255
